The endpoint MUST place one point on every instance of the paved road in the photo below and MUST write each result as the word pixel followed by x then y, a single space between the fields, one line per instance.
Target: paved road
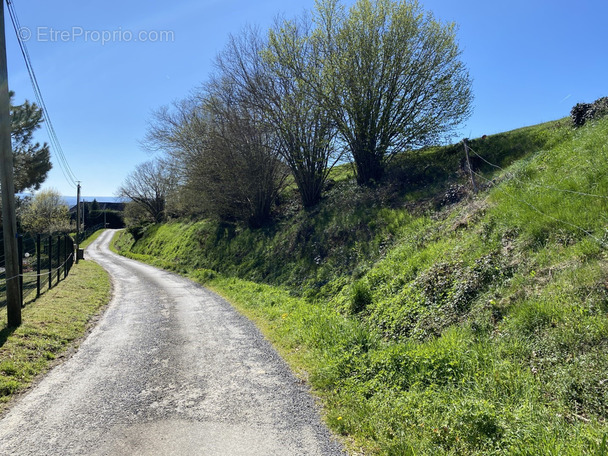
pixel 171 369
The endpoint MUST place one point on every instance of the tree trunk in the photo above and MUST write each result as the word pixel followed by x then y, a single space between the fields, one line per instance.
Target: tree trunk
pixel 369 167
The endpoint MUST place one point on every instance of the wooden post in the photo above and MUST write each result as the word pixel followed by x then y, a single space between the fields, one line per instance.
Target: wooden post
pixel 38 264
pixel 9 220
pixel 65 257
pixel 77 221
pixel 466 152
pixel 58 259
pixel 50 261
pixel 70 241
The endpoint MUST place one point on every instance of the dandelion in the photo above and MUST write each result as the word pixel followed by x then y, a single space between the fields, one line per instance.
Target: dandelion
pixel 339 418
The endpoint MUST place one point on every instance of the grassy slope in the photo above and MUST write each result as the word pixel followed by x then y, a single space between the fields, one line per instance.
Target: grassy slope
pixel 432 321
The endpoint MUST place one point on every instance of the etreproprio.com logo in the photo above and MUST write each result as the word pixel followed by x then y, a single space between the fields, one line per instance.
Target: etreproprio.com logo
pixel 103 37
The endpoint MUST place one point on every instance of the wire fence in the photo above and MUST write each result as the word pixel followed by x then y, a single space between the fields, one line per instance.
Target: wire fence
pixel 523 202
pixel 45 261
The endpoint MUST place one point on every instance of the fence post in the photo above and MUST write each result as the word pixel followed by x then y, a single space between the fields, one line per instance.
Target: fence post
pixel 72 249
pixel 50 261
pixel 58 258
pixel 20 253
pixel 470 168
pixel 65 257
pixel 38 264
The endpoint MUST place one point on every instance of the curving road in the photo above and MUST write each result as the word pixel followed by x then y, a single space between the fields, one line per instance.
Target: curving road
pixel 171 369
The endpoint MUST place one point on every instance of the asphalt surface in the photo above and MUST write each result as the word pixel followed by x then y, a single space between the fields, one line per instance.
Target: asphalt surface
pixel 170 369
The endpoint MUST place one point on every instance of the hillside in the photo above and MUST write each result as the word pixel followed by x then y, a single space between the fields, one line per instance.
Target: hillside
pixel 429 319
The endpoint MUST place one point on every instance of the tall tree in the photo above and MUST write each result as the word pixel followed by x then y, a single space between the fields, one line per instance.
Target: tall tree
pixel 180 132
pixel 244 172
pixel 32 161
pixel 285 102
pixel 390 74
pixel 224 156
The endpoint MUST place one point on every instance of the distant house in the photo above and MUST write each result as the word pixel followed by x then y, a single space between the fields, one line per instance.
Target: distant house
pixel 118 207
pixel 96 214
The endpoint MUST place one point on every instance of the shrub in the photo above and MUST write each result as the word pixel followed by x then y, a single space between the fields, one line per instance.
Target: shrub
pixel 203 275
pixel 137 231
pixel 583 112
pixel 601 107
pixel 361 297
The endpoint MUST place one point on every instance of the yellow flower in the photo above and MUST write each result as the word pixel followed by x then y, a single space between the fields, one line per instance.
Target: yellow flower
pixel 339 418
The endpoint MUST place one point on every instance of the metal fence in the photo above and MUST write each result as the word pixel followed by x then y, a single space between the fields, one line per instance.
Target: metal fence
pixel 45 261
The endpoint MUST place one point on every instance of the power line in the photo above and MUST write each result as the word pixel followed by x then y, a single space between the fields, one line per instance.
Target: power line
pixel 63 163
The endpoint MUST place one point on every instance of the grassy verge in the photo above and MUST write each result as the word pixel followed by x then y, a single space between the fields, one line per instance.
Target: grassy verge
pixel 93 237
pixel 51 325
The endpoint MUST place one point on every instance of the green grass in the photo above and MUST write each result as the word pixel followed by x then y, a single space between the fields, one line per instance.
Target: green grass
pixel 428 319
pixel 93 237
pixel 51 325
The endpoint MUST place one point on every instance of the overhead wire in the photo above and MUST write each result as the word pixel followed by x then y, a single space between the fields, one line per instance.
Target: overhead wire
pixel 63 162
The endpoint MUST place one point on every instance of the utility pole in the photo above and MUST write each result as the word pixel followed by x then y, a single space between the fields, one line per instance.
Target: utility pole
pixel 77 221
pixel 9 220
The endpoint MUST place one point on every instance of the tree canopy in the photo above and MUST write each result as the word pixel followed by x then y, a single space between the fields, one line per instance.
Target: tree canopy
pixel 388 73
pixel 285 104
pixel 32 161
pixel 363 83
pixel 46 213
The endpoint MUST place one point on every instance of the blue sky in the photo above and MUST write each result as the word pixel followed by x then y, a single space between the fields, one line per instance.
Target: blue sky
pixel 530 61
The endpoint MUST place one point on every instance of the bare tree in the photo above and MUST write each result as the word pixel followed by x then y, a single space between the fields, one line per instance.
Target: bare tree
pixel 304 129
pixel 224 156
pixel 148 186
pixel 243 167
pixel 181 133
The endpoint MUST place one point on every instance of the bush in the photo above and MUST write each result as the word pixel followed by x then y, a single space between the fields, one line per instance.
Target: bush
pixel 583 112
pixel 601 107
pixel 361 297
pixel 137 231
pixel 203 275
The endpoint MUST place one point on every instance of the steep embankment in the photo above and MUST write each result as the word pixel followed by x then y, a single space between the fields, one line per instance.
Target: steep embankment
pixel 429 319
